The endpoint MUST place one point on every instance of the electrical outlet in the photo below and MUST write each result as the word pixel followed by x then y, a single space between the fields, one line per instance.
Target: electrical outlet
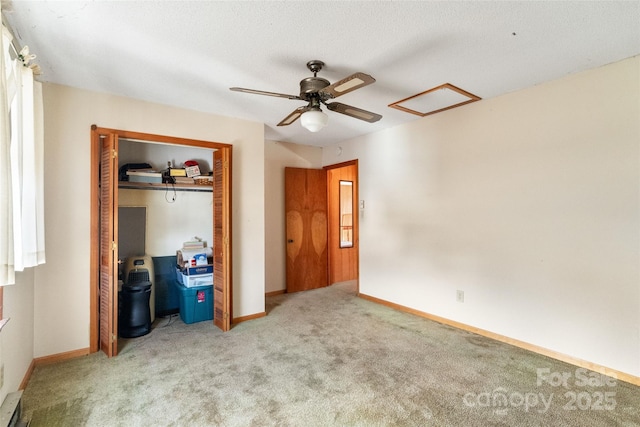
pixel 460 296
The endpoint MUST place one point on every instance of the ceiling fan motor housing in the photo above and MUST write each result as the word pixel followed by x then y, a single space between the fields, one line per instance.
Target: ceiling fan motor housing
pixel 312 85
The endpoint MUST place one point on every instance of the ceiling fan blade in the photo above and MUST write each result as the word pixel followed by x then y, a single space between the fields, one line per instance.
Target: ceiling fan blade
pixel 262 92
pixel 358 113
pixel 293 116
pixel 348 84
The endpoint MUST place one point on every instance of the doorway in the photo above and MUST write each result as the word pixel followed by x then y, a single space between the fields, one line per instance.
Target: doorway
pixel 104 229
pixel 343 223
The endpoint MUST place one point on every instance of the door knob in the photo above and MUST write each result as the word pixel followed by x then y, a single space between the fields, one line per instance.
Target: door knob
pixel 290 241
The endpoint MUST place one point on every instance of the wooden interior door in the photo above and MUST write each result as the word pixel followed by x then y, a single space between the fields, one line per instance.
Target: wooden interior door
pixel 222 310
pixel 306 228
pixel 108 245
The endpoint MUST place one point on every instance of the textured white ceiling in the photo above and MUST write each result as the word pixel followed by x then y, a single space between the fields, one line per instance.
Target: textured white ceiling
pixel 188 54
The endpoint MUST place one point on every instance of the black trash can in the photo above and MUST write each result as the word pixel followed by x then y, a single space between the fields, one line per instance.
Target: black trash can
pixel 134 315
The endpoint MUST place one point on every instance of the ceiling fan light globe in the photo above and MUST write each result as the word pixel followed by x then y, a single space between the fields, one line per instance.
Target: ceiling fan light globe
pixel 314 120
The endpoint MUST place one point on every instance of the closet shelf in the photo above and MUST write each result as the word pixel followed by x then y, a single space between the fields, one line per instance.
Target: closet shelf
pixel 163 186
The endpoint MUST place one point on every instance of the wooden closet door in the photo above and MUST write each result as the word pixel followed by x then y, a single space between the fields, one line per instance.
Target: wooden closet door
pixel 222 310
pixel 108 245
pixel 104 227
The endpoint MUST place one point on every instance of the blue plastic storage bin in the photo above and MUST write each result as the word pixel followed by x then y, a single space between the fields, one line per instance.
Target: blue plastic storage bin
pixel 196 303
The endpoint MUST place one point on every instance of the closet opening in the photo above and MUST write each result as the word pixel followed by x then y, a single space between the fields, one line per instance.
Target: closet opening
pixel 144 225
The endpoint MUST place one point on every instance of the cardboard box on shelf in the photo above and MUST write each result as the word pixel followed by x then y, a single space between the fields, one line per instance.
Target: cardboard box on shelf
pixel 185 255
pixel 183 180
pixel 192 171
pixel 200 269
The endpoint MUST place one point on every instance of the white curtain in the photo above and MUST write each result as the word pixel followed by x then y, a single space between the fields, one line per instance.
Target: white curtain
pixel 21 166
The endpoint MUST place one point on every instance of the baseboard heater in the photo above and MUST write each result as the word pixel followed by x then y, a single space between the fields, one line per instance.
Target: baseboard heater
pixel 11 411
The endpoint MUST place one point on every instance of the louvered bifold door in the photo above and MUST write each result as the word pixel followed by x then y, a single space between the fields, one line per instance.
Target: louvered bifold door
pixel 222 238
pixel 108 245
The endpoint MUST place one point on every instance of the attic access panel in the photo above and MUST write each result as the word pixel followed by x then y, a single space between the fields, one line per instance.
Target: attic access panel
pixel 435 100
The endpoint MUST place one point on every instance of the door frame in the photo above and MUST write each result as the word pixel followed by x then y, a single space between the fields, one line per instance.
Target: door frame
pixel 225 229
pixel 356 220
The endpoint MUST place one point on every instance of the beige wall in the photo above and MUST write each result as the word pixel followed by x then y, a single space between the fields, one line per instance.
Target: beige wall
pixel 62 285
pixel 279 155
pixel 169 223
pixel 16 338
pixel 529 203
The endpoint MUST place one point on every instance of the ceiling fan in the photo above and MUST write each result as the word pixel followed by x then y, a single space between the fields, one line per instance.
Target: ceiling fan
pixel 316 91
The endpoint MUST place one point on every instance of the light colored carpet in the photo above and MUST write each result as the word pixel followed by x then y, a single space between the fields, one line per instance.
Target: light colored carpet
pixel 321 358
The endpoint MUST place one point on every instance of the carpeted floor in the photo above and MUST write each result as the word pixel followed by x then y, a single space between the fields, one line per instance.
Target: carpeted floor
pixel 323 358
